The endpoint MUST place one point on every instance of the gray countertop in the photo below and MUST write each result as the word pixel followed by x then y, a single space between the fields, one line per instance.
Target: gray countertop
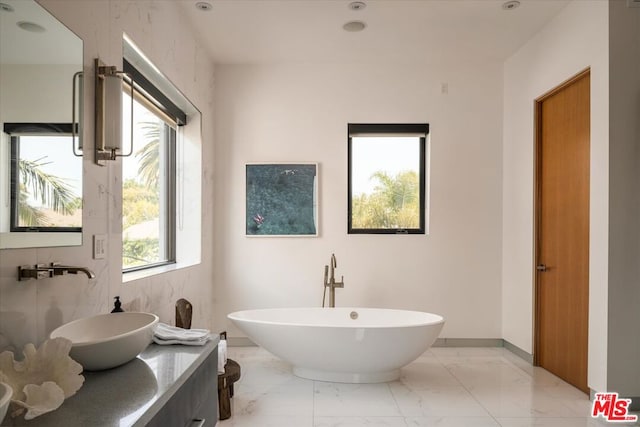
pixel 129 395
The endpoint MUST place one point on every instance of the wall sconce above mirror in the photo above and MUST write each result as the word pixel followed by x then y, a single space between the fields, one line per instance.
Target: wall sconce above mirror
pixel 41 116
pixel 109 86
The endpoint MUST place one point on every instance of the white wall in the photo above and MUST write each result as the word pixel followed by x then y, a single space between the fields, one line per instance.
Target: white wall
pixel 575 39
pixel 624 201
pixel 36 93
pixel 29 310
pixel 300 113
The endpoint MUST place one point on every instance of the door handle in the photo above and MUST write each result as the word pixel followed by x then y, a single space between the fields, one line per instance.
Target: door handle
pixel 541 267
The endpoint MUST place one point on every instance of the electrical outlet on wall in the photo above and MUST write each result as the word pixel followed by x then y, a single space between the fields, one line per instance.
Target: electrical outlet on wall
pixel 99 246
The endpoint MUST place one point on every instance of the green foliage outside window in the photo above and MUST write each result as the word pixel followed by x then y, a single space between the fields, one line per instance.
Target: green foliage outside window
pixel 141 201
pixel 394 202
pixel 139 251
pixel 52 191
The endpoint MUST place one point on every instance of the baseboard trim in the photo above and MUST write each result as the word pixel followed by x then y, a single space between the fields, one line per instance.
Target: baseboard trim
pixel 440 342
pixel 468 342
pixel 527 357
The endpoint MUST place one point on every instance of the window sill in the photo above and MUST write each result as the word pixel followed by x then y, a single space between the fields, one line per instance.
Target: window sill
pixel 154 271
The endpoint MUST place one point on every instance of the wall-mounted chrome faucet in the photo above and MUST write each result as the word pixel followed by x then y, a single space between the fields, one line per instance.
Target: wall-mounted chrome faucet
pixel 330 281
pixel 60 270
pixel 41 271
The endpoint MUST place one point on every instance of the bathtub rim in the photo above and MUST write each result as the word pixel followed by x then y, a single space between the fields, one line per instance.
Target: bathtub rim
pixel 437 321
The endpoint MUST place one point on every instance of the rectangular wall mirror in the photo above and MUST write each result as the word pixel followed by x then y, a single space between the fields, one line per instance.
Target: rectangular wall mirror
pixel 387 178
pixel 41 63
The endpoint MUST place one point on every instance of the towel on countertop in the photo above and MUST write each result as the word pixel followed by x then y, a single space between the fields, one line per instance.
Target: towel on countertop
pixel 222 356
pixel 164 334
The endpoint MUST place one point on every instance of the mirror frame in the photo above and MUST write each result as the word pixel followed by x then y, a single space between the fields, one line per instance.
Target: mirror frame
pixel 43 238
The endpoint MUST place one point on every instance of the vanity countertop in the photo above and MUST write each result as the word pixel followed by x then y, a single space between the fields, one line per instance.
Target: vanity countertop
pixel 129 395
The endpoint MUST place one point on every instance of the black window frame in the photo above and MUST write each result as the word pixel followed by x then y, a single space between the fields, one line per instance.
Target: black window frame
pixel 15 130
pixel 146 89
pixel 389 129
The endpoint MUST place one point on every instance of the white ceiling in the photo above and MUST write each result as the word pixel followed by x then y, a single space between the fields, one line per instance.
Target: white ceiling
pixel 56 45
pixel 403 31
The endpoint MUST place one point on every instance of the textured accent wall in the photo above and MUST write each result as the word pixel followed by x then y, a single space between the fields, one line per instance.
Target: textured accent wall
pixel 29 310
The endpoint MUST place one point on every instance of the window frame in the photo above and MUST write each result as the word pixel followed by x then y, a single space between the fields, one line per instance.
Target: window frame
pixel 15 131
pixel 167 111
pixel 389 129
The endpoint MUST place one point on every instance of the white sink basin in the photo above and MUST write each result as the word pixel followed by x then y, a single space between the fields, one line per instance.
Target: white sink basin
pixel 108 340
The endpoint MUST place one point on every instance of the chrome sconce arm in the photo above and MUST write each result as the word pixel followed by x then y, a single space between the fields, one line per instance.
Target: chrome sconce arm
pixel 108 112
pixel 76 131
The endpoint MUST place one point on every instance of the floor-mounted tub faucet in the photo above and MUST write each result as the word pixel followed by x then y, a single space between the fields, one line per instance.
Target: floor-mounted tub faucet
pixel 330 281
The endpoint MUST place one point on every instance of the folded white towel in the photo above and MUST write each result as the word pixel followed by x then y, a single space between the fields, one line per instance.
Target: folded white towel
pixel 182 342
pixel 164 334
pixel 168 332
pixel 222 356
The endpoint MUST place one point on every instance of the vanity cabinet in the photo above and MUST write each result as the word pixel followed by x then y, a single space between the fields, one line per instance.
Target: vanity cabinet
pixel 170 385
pixel 195 404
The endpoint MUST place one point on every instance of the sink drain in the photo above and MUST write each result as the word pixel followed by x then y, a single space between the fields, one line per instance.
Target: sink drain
pixel 354 315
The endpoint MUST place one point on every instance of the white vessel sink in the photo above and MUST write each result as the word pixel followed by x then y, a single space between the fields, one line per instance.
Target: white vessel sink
pixel 108 340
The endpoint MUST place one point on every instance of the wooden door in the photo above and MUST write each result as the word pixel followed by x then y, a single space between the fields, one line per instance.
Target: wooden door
pixel 562 229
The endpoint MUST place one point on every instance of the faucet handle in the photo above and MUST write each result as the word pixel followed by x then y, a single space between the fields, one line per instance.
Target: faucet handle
pixel 38 271
pixel 58 269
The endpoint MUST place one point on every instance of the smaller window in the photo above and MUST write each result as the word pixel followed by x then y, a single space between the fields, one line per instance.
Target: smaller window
pixel 46 178
pixel 387 178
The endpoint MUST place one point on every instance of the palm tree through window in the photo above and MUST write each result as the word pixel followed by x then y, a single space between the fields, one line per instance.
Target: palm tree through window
pixel 46 181
pixel 148 195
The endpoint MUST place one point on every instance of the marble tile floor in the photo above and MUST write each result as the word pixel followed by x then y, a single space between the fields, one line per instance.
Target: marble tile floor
pixel 445 387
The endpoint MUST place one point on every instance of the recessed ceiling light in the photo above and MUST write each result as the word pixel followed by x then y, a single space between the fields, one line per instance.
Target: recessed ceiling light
pixel 32 27
pixel 357 5
pixel 354 26
pixel 510 5
pixel 204 6
pixel 6 7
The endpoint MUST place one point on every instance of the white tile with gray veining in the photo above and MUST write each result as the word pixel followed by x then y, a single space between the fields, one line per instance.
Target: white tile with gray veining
pixel 446 387
pixel 30 310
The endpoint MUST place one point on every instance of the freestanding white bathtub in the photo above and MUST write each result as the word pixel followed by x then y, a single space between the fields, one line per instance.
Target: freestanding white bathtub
pixel 350 345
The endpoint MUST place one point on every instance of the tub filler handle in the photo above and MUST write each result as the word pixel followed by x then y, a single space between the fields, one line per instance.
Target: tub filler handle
pixel 330 281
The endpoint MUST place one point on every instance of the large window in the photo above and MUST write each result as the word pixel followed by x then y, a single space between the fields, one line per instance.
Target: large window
pixel 46 178
pixel 149 176
pixel 387 178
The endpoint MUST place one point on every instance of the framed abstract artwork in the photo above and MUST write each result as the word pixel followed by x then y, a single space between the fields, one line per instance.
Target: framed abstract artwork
pixel 281 199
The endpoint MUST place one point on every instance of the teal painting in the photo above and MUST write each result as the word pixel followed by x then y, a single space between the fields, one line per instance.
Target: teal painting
pixel 282 199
